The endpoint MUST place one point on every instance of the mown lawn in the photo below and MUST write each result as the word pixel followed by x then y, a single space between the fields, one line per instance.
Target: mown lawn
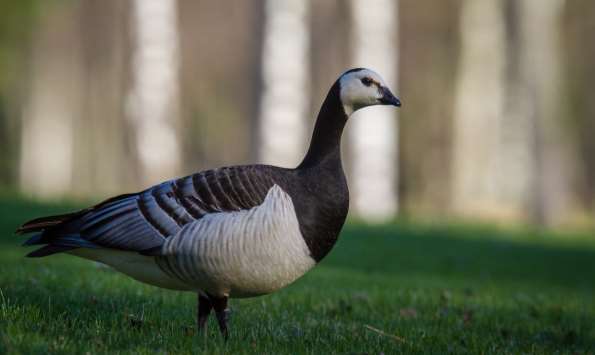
pixel 392 289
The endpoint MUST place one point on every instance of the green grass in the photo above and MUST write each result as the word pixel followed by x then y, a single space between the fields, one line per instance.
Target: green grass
pixel 423 289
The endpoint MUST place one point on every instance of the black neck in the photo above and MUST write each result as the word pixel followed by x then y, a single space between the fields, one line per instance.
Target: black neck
pixel 325 145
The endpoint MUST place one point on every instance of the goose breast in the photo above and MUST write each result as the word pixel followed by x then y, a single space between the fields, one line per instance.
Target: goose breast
pixel 240 253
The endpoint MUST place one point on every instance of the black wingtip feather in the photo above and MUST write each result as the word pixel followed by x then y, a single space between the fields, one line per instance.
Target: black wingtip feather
pixel 39 224
pixel 48 250
pixel 34 240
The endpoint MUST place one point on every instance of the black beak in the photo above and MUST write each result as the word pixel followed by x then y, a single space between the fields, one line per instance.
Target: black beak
pixel 388 98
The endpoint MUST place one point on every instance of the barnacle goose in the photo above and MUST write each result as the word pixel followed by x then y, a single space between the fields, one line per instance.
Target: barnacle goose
pixel 239 231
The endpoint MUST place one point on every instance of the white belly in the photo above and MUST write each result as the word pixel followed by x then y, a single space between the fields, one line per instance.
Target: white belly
pixel 240 254
pixel 139 267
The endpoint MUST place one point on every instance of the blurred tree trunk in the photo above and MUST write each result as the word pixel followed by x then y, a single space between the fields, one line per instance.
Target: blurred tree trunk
pixel 16 23
pixel 102 142
pixel 579 58
pixel 517 130
pixel 52 105
pixel 329 22
pixel 75 140
pixel 509 158
pixel 540 60
pixel 220 80
pixel 153 98
pixel 536 153
pixel 285 100
pixel 374 166
pixel 478 109
pixel 429 43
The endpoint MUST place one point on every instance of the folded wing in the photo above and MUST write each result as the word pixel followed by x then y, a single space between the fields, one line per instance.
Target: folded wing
pixel 143 221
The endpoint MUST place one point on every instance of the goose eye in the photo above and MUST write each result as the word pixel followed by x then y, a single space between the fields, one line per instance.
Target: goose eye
pixel 367 81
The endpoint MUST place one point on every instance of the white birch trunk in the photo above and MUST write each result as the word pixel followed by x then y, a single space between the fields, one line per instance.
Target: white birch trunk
pixel 284 102
pixel 540 61
pixel 516 146
pixel 479 109
pixel 374 135
pixel 153 99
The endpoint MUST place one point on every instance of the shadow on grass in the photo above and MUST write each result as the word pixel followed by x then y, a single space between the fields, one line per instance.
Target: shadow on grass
pixel 465 253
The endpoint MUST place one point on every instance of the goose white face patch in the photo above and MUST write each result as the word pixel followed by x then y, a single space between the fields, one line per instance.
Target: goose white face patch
pixel 359 89
pixel 242 253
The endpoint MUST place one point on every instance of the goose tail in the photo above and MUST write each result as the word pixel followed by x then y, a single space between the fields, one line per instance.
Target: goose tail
pixel 39 226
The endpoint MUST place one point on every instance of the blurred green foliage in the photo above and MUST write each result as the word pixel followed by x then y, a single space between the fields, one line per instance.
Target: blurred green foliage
pixel 16 19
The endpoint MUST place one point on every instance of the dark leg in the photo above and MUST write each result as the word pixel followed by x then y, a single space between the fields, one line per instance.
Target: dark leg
pixel 222 313
pixel 204 309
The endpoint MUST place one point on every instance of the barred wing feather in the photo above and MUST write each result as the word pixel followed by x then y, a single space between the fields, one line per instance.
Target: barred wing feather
pixel 143 221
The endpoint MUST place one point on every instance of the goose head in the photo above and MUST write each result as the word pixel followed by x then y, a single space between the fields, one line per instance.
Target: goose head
pixel 361 87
